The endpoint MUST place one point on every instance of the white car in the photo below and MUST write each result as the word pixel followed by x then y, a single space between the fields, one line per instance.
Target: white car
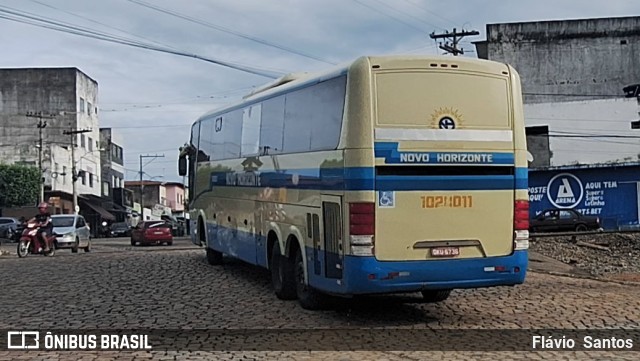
pixel 71 231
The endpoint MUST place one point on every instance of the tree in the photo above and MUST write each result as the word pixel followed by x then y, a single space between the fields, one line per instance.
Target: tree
pixel 19 185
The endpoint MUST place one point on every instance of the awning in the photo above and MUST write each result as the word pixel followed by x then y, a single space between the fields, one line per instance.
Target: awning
pixel 101 211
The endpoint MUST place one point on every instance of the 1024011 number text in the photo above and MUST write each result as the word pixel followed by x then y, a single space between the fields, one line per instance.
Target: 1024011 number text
pixel 446 201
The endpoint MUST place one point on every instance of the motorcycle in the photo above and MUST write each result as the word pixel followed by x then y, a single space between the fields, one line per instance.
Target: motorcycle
pixel 30 243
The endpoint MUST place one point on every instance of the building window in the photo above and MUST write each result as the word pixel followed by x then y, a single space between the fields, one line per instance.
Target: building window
pixel 113 181
pixel 96 111
pixel 89 106
pixel 64 171
pixel 83 174
pixel 114 151
pixel 81 105
pixel 82 140
pixel 90 144
pixel 90 180
pixel 105 188
pixel 97 146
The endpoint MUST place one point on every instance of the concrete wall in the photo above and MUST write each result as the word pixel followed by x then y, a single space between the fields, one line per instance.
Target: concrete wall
pixel 33 90
pixel 595 57
pixel 596 119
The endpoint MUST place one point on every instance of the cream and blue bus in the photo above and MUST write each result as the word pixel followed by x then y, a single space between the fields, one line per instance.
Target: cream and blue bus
pixel 391 174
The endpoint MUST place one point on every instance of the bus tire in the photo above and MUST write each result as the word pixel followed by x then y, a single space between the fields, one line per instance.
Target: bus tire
pixel 282 276
pixel 433 296
pixel 308 298
pixel 214 257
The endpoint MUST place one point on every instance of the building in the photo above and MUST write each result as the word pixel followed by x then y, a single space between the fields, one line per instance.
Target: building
pixel 574 74
pixel 112 160
pixel 40 105
pixel 175 195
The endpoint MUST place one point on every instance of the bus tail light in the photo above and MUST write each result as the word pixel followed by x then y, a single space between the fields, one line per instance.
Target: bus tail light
pixel 362 222
pixel 521 225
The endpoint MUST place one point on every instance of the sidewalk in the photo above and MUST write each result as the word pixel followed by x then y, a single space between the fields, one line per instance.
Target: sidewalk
pixel 544 264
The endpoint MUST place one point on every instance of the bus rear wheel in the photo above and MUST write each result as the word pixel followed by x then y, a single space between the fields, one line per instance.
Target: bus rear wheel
pixel 308 298
pixel 282 277
pixel 433 296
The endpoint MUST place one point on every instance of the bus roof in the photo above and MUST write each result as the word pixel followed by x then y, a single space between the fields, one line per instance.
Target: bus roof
pixel 292 81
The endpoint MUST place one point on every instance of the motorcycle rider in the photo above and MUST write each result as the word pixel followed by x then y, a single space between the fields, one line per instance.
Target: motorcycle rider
pixel 45 227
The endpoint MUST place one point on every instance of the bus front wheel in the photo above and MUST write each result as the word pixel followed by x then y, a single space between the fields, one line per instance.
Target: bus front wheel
pixel 432 296
pixel 282 278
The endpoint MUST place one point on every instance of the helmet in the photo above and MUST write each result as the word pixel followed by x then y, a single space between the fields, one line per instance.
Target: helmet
pixel 44 205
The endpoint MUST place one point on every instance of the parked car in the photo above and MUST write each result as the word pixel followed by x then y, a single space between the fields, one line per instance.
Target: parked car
pixel 71 231
pixel 120 229
pixel 559 220
pixel 151 232
pixel 177 228
pixel 10 228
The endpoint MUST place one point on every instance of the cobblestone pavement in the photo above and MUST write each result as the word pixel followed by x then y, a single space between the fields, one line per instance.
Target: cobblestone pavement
pixel 117 286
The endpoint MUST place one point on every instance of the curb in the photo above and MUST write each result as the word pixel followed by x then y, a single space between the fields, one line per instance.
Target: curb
pixel 592 278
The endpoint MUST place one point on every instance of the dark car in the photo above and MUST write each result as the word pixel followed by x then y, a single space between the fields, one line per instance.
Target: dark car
pixel 177 228
pixel 120 229
pixel 559 220
pixel 10 228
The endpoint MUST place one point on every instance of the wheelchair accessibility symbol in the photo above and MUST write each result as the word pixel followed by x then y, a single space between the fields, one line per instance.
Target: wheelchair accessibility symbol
pixel 386 199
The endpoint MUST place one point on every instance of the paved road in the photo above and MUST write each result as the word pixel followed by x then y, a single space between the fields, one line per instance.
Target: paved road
pixel 117 286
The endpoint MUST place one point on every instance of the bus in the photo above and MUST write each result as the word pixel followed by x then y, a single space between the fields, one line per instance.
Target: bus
pixel 391 174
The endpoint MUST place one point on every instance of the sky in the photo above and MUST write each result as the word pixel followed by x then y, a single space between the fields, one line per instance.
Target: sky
pixel 151 98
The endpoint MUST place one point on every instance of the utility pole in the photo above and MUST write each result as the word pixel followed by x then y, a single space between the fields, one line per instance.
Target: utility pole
pixel 41 125
pixel 455 36
pixel 141 182
pixel 74 174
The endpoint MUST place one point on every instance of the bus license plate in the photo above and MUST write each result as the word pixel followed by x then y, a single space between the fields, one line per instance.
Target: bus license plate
pixel 445 251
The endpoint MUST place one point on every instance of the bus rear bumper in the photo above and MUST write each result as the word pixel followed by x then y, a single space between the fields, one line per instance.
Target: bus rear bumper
pixel 366 275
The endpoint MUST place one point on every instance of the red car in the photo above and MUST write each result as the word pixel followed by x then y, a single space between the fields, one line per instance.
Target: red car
pixel 151 232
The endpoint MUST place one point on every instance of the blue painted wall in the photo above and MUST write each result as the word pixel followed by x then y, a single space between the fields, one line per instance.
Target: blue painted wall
pixel 607 192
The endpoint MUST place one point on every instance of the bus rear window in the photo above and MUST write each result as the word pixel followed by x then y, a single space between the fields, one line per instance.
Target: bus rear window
pixel 423 98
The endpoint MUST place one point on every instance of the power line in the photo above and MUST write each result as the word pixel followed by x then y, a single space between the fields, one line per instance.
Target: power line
pixel 577 95
pixel 228 31
pixel 406 14
pixel 455 37
pixel 99 23
pixel 388 15
pixel 431 12
pixel 43 22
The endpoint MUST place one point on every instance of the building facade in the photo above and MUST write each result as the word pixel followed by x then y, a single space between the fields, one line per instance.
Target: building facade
pixel 58 108
pixel 175 193
pixel 112 160
pixel 574 74
pixel 67 100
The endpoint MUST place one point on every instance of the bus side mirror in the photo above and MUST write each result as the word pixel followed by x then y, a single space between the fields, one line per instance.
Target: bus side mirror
pixel 182 166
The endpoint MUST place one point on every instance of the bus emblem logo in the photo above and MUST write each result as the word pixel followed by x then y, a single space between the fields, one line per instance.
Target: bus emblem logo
pixel 446 123
pixel 447 118
pixel 386 199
